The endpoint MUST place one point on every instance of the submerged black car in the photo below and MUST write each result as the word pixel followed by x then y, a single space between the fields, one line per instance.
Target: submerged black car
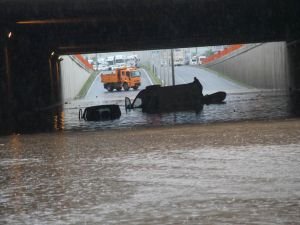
pixel 174 98
pixel 100 113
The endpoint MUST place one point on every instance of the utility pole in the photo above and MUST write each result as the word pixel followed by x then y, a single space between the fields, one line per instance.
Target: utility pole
pixel 172 63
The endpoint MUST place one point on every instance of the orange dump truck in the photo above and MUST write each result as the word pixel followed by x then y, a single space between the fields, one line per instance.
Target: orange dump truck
pixel 121 78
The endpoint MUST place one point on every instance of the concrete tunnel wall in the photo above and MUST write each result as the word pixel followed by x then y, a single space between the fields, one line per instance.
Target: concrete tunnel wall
pixel 258 65
pixel 73 74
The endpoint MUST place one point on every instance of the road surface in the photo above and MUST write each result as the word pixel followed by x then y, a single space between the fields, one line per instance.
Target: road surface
pixel 210 81
pixel 183 74
pixel 97 90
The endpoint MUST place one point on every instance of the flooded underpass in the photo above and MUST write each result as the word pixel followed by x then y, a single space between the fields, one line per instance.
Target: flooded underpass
pixel 231 163
pixel 222 173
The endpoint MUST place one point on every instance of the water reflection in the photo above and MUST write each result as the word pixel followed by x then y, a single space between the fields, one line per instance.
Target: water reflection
pixel 49 179
pixel 59 121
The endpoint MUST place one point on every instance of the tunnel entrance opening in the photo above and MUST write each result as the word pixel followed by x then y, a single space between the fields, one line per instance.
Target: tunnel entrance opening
pixel 255 77
pixel 31 31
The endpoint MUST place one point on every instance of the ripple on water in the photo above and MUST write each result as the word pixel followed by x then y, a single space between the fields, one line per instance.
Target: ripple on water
pixel 255 184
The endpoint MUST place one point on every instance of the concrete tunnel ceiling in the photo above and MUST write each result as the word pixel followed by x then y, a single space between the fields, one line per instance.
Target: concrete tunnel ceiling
pixel 73 26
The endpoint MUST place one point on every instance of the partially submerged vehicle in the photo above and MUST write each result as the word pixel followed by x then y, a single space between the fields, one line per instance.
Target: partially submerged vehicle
pixel 189 96
pixel 100 113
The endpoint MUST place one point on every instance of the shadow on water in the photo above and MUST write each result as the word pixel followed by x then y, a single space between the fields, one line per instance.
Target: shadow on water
pixel 33 121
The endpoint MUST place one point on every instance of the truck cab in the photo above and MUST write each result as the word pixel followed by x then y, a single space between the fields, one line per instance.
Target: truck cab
pixel 125 78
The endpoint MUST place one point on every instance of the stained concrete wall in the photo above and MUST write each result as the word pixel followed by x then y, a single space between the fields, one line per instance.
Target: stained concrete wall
pixel 258 65
pixel 73 75
pixel 294 65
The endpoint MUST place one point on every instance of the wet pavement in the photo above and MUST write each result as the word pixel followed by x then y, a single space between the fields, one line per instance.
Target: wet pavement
pixel 210 80
pixel 222 173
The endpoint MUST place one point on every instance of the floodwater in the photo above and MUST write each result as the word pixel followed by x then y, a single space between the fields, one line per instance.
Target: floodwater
pixel 212 173
pixel 252 105
pixel 70 178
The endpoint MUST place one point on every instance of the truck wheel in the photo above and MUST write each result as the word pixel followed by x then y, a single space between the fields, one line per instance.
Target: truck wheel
pixel 119 88
pixel 135 87
pixel 125 86
pixel 110 88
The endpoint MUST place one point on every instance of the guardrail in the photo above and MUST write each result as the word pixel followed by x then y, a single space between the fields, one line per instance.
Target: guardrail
pixel 82 62
pixel 222 53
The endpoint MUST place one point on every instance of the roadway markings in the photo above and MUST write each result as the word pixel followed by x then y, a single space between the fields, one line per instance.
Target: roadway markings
pixel 147 75
pixel 88 92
